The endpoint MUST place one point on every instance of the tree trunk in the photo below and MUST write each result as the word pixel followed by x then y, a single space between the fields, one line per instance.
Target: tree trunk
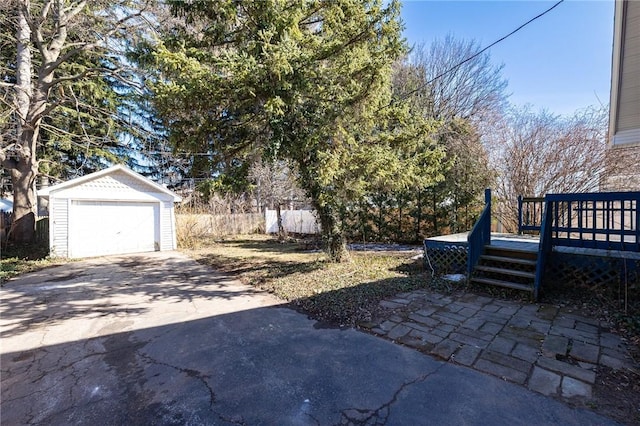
pixel 24 168
pixel 24 202
pixel 418 214
pixel 282 233
pixel 327 209
pixel 363 221
pixel 332 233
pixel 399 233
pixel 435 214
pixel 380 221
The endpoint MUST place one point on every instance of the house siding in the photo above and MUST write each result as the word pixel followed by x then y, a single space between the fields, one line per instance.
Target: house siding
pixel 623 154
pixel 628 114
pixel 167 225
pixel 59 227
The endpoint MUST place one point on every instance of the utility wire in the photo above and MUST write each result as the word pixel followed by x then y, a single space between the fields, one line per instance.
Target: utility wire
pixel 453 68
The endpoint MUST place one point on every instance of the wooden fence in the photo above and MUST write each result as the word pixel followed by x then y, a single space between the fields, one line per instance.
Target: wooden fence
pixel 200 225
pixel 41 231
pixel 5 224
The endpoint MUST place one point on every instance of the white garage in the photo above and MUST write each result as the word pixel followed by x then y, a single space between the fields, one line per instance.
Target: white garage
pixel 113 211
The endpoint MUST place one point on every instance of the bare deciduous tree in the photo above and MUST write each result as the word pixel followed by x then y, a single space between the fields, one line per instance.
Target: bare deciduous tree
pixel 537 153
pixel 55 42
pixel 275 186
pixel 621 173
pixel 449 82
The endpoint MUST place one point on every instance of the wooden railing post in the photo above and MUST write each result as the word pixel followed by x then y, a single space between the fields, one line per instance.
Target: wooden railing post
pixel 519 214
pixel 487 202
pixel 544 246
pixel 637 213
pixel 480 235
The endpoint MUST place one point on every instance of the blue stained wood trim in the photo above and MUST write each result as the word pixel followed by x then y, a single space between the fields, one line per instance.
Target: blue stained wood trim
pixel 589 220
pixel 529 213
pixel 594 196
pixel 520 224
pixel 610 215
pixel 480 235
pixel 604 245
pixel 544 248
pixel 487 223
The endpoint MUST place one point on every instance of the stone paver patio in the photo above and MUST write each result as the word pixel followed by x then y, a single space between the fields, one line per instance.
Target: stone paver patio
pixel 549 350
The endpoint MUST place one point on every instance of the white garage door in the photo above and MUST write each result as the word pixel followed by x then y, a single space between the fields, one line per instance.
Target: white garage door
pixel 99 228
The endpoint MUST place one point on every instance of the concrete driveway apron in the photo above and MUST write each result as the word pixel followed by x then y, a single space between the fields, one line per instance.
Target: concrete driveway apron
pixel 159 339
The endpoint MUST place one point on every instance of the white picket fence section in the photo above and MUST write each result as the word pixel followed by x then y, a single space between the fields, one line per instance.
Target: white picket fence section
pixel 294 221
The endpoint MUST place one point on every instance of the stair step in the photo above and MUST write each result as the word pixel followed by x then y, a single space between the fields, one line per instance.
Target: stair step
pixel 510 252
pixel 504 271
pixel 502 283
pixel 519 261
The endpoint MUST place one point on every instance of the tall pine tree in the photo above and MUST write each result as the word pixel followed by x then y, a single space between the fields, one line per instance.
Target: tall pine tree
pixel 307 82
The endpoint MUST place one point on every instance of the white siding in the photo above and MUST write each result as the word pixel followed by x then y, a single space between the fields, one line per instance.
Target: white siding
pixel 115 186
pixel 629 92
pixel 167 227
pixel 59 227
pixel 128 212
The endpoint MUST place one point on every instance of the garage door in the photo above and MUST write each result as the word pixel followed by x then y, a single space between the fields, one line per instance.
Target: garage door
pixel 99 228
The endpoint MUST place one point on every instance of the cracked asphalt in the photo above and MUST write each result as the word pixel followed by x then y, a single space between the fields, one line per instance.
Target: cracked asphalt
pixel 157 339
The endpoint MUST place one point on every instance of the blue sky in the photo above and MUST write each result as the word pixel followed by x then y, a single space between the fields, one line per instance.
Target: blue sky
pixel 560 62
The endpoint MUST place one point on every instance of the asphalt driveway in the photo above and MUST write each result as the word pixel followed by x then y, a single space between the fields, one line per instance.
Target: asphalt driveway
pixel 159 339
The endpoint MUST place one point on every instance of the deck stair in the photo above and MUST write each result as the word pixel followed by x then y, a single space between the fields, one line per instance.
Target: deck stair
pixel 506 267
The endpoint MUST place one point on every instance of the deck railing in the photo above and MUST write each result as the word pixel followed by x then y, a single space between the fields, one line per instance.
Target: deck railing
pixel 530 213
pixel 480 235
pixel 544 249
pixel 605 220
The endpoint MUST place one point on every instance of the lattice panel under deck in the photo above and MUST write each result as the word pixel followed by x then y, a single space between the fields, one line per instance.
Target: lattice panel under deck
pixel 446 258
pixel 591 270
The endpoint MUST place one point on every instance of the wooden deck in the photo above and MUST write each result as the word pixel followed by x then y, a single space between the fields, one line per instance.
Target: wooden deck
pixel 513 241
pixel 593 237
pixel 531 243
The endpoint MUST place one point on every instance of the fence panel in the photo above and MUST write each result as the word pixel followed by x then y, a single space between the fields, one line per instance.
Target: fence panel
pixel 5 224
pixel 42 230
pixel 293 221
pixel 219 225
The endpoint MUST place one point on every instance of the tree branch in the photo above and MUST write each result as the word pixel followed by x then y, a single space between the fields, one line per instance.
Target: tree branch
pixel 45 10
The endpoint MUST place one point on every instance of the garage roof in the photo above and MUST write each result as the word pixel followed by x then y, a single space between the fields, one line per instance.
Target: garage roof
pixel 45 192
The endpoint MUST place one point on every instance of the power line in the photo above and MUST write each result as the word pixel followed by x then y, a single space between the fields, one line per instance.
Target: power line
pixel 453 68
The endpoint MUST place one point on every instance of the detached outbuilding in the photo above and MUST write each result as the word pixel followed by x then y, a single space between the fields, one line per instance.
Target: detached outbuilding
pixel 113 211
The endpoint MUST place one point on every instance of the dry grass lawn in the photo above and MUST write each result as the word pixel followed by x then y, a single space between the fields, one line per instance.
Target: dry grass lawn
pixel 340 294
pixel 18 260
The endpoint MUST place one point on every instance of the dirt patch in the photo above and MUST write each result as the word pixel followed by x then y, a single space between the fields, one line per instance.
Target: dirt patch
pixel 617 395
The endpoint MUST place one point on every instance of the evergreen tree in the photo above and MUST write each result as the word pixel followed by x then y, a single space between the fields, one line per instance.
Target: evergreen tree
pixel 307 82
